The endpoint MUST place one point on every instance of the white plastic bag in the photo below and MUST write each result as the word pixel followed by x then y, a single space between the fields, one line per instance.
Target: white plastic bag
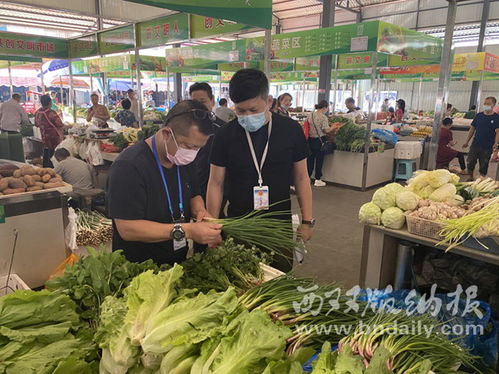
pixel 70 231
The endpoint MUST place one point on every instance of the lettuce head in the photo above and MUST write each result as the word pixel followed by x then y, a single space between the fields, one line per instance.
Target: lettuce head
pixel 393 218
pixel 370 214
pixel 407 200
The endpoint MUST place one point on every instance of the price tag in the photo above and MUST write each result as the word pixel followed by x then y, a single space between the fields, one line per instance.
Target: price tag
pixel 2 214
pixel 261 197
pixel 358 44
pixel 179 244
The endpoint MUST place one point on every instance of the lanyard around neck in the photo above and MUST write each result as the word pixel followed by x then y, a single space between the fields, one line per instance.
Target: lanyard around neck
pixel 259 168
pixel 180 200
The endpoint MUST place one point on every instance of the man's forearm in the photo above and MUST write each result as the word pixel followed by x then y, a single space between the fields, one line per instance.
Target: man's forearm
pixel 143 230
pixel 197 205
pixel 304 195
pixel 470 134
pixel 214 199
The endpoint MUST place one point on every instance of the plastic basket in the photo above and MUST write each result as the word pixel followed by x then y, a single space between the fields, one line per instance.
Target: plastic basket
pixel 11 284
pixel 424 227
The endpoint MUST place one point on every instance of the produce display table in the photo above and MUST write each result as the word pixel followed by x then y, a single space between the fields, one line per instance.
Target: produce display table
pixel 379 254
pixel 345 168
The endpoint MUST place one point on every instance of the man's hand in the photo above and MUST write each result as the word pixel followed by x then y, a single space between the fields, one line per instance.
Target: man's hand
pixel 465 145
pixel 202 214
pixel 305 232
pixel 204 233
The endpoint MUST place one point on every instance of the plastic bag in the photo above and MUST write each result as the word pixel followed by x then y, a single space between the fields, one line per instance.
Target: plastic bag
pixel 61 268
pixel 70 145
pixel 386 136
pixel 70 230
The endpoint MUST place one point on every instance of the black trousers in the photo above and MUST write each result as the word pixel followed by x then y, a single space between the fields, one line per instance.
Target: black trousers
pixel 482 155
pixel 8 132
pixel 47 155
pixel 316 158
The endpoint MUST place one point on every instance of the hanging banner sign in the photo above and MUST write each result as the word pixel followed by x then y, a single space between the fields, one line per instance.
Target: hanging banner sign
pixel 164 30
pixel 468 62
pixel 149 63
pixel 491 63
pixel 235 66
pixel 309 63
pixel 117 40
pixel 32 45
pixel 202 27
pixel 101 65
pixel 360 60
pixel 249 12
pixel 85 46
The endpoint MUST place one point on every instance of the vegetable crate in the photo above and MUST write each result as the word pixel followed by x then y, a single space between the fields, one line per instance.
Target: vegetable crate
pixel 12 283
pixel 424 227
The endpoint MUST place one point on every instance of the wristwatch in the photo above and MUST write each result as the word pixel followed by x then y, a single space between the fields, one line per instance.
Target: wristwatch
pixel 310 223
pixel 178 233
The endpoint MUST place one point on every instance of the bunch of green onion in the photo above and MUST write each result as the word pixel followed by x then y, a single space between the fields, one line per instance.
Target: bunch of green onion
pixel 456 231
pixel 263 229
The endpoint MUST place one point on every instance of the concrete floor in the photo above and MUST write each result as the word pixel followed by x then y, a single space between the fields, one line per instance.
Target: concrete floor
pixel 335 249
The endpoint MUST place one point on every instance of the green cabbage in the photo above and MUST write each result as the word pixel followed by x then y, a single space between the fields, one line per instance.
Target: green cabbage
pixel 384 198
pixel 370 214
pixel 407 200
pixel 393 218
pixel 438 178
pixel 443 193
pixel 395 188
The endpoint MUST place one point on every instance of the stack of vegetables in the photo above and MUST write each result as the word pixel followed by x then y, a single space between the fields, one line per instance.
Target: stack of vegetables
pixel 14 180
pixel 125 137
pixel 351 137
pixel 93 228
pixel 147 131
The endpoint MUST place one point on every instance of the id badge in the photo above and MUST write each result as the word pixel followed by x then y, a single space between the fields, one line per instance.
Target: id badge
pixel 261 197
pixel 179 244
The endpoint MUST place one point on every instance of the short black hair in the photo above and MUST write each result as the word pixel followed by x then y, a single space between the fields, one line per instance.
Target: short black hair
pixel 16 96
pixel 387 99
pixel 281 97
pixel 494 100
pixel 61 153
pixel 126 104
pixel 447 121
pixel 449 106
pixel 45 100
pixel 350 100
pixel 391 110
pixel 248 84
pixel 201 86
pixel 322 104
pixel 182 117
pixel 129 90
pixel 222 102
pixel 473 107
pixel 94 94
pixel 401 104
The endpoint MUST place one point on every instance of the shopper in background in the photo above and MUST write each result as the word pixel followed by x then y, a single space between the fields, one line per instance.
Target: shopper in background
pixel 385 106
pixel 471 113
pixel 400 112
pixel 98 112
pixel 152 190
pixel 319 124
pixel 261 153
pixel 55 104
pixel 12 115
pixel 223 112
pixel 283 104
pixel 51 127
pixel 485 128
pixel 350 104
pixel 390 116
pixel 72 170
pixel 451 110
pixel 446 153
pixel 134 107
pixel 126 117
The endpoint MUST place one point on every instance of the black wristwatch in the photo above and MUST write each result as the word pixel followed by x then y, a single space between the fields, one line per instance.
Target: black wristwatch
pixel 310 223
pixel 178 233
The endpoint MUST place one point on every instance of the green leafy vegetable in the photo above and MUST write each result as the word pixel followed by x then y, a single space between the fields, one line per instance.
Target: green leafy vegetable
pixel 349 134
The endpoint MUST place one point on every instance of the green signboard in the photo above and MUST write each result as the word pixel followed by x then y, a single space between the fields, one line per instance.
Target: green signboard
pixel 235 66
pixel 202 27
pixel 150 63
pixel 117 40
pixel 101 65
pixel 163 30
pixel 249 12
pixel 20 59
pixel 308 63
pixel 32 45
pixel 360 60
pixel 85 46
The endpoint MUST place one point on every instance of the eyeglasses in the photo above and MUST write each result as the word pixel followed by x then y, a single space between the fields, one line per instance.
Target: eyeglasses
pixel 197 114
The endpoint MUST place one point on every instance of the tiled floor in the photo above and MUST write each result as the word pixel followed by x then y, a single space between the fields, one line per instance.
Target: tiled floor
pixel 334 252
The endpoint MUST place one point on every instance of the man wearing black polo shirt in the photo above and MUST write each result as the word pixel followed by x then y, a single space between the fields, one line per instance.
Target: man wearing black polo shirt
pixel 153 190
pixel 257 137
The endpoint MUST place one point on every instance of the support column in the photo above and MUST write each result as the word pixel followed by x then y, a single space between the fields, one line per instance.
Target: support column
pixel 11 87
pixel 372 92
pixel 41 78
pixel 335 86
pixel 267 52
pixel 326 62
pixel 476 86
pixel 177 84
pixel 443 82
pixel 72 91
pixel 139 88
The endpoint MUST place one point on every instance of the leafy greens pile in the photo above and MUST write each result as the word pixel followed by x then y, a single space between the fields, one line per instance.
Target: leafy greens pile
pixel 40 332
pixel 351 137
pixel 96 276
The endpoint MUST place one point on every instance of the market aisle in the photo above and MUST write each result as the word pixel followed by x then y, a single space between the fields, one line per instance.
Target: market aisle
pixel 334 253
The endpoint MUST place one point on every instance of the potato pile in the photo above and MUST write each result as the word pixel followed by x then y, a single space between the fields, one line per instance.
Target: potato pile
pixel 15 180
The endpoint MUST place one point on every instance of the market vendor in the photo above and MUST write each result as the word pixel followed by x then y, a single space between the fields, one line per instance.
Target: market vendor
pixel 73 171
pixel 98 111
pixel 350 104
pixel 134 103
pixel 153 193
pixel 262 154
pixel 12 115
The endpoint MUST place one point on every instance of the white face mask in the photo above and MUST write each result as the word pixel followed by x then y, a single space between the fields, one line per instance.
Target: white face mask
pixel 183 156
pixel 487 108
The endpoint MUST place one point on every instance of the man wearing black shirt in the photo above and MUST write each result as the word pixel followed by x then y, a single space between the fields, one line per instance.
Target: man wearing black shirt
pixel 153 191
pixel 239 148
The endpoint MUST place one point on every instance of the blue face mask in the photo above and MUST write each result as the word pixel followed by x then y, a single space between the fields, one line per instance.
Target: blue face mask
pixel 252 122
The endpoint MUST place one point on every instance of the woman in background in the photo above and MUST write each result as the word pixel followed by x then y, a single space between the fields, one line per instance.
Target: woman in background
pixel 283 104
pixel 400 112
pixel 319 125
pixel 51 127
